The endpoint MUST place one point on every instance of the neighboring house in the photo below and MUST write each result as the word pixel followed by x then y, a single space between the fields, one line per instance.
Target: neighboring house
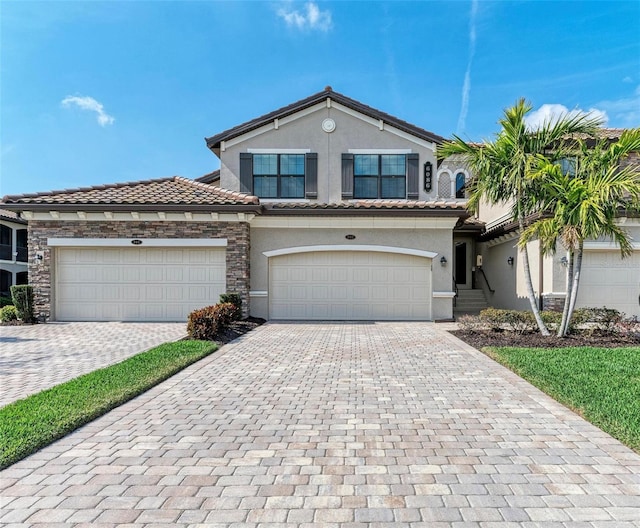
pixel 324 209
pixel 13 251
pixel 606 278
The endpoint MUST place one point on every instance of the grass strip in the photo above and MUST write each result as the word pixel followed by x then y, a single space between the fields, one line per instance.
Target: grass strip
pixel 600 384
pixel 38 420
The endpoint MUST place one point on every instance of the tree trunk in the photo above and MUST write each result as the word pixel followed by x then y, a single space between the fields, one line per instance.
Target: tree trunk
pixel 576 279
pixel 529 283
pixel 564 324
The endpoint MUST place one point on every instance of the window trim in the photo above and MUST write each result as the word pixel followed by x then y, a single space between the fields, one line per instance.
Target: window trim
pixel 379 176
pixel 278 176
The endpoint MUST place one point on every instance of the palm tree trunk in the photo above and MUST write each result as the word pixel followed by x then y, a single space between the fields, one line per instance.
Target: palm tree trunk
pixel 563 329
pixel 529 283
pixel 576 280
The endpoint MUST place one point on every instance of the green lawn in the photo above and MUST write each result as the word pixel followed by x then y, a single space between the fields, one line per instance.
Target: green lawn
pixel 30 424
pixel 601 384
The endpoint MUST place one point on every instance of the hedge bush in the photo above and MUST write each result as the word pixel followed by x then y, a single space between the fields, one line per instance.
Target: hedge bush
pixel 236 300
pixel 206 323
pixel 8 313
pixel 22 295
pixel 5 301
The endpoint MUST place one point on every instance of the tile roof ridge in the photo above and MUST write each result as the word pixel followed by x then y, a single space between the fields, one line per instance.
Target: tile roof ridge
pixel 86 189
pixel 224 193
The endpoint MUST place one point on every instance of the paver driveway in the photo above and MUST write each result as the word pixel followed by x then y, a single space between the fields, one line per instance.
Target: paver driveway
pixel 34 358
pixel 387 424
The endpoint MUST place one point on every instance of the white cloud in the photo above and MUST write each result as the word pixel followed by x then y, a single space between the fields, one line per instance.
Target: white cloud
pixel 466 87
pixel 311 18
pixel 551 113
pixel 89 103
pixel 624 112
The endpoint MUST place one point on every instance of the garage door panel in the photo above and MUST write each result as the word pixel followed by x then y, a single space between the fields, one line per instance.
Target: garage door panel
pixel 345 285
pixel 608 280
pixel 149 284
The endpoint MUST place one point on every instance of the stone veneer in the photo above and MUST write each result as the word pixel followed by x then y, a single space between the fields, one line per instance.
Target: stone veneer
pixel 40 272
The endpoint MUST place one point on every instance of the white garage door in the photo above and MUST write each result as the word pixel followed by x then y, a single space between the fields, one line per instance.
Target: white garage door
pixel 135 284
pixel 350 285
pixel 607 280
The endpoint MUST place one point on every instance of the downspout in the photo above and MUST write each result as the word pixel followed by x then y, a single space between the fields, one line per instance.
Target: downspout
pixel 540 277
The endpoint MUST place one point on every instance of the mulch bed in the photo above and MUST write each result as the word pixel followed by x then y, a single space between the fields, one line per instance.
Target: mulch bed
pixel 535 340
pixel 237 329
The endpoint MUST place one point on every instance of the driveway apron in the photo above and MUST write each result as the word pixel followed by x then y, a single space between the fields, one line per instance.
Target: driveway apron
pixel 351 425
pixel 37 357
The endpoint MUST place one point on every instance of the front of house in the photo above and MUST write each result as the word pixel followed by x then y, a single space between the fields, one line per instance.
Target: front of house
pixel 325 209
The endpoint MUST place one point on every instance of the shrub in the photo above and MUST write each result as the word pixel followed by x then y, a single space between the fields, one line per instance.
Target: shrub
pixel 551 319
pixel 8 313
pixel 5 301
pixel 511 320
pixel 236 300
pixel 22 296
pixel 470 323
pixel 206 323
pixel 604 320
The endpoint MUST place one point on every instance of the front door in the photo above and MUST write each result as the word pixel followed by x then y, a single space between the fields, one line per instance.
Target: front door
pixel 462 259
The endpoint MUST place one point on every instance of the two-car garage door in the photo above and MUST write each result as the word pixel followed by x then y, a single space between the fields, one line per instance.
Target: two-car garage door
pixel 350 285
pixel 136 284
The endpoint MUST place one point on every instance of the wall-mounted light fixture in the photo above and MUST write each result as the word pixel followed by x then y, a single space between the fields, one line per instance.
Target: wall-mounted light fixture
pixel 510 261
pixel 443 260
pixel 564 261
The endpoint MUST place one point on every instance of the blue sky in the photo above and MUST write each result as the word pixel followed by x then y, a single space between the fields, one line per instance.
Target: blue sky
pixel 100 92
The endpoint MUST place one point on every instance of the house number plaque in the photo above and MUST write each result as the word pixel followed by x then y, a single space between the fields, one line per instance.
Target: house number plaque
pixel 428 176
pixel 136 242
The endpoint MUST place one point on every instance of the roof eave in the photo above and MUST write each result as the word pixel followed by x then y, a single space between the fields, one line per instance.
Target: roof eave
pixel 126 207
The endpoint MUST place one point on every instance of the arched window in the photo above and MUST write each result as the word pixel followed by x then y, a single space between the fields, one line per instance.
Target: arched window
pixel 460 185
pixel 444 185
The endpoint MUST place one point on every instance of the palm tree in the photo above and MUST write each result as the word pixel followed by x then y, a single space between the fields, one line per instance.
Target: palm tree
pixel 584 203
pixel 501 168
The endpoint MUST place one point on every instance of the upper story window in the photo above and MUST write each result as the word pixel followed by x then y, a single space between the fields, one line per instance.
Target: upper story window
pixel 461 185
pixel 278 175
pixel 379 176
pixel 286 175
pixel 21 245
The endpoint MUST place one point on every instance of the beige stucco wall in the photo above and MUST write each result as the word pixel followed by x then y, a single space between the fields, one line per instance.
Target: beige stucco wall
pixel 437 240
pixel 509 281
pixel 305 132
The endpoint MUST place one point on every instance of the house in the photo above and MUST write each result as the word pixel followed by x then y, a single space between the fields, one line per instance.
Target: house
pixel 324 209
pixel 13 251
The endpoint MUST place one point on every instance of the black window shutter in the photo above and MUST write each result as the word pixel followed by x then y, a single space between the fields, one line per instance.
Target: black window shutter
pixel 413 184
pixel 311 175
pixel 246 172
pixel 347 176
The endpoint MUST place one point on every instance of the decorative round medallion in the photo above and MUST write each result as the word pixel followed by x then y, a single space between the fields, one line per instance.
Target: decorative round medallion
pixel 328 125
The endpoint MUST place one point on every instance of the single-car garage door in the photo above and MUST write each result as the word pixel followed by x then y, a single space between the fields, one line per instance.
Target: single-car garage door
pixel 350 285
pixel 607 280
pixel 136 284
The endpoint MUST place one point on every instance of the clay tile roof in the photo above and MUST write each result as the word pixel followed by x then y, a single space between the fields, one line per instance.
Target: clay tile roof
pixel 210 177
pixel 328 93
pixel 11 217
pixel 393 205
pixel 159 192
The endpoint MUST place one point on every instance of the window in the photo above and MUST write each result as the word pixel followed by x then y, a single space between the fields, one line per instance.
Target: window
pixel 461 185
pixel 379 176
pixel 278 175
pixel 6 242
pixel 21 245
pixel 5 283
pixel 567 166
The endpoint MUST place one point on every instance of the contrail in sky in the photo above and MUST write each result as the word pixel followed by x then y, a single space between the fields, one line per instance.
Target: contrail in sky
pixel 466 87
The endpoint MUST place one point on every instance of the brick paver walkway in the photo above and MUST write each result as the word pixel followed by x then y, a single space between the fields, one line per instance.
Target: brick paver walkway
pixel 34 358
pixel 350 425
